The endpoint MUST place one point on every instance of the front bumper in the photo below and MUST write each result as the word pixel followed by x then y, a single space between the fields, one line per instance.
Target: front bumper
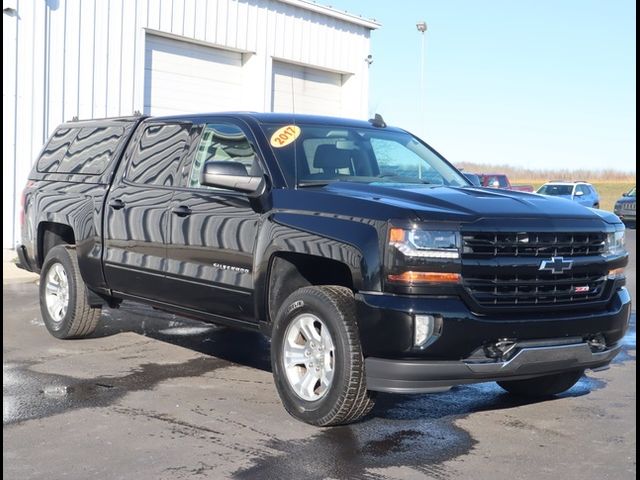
pixel 406 376
pixel 546 343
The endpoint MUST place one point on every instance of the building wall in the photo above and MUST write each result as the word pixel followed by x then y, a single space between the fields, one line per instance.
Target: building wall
pixel 86 58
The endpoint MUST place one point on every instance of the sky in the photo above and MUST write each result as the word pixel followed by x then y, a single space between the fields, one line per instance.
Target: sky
pixel 532 83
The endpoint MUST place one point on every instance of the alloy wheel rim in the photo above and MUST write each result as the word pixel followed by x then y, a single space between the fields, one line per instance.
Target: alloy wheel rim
pixel 308 357
pixel 57 293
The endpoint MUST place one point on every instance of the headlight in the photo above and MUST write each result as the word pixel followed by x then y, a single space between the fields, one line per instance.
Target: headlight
pixel 615 242
pixel 425 243
pixel 418 256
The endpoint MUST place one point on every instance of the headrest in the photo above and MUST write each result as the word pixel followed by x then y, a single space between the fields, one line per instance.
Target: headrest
pixel 330 157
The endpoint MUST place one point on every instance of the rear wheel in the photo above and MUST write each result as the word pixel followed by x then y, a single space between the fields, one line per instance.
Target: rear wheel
pixel 316 357
pixel 63 300
pixel 543 386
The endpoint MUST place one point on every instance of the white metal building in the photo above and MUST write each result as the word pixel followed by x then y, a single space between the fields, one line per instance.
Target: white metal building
pixel 101 58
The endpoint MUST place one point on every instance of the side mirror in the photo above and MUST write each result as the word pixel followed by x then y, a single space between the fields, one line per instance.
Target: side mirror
pixel 231 176
pixel 625 194
pixel 579 193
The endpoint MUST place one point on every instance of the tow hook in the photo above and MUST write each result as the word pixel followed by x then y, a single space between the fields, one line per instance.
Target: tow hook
pixel 500 350
pixel 597 343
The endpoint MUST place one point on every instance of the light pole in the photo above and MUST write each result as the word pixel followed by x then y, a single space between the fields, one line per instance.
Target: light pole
pixel 422 28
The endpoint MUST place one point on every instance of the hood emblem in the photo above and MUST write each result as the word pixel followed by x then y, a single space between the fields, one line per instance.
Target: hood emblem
pixel 555 265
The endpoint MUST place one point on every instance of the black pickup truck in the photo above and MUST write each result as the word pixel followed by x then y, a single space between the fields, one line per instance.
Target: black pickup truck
pixel 371 262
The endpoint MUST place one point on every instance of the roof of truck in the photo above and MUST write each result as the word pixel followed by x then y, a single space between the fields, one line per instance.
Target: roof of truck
pixel 261 117
pixel 280 118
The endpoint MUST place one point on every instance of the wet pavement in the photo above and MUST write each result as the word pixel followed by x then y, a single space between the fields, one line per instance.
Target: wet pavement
pixel 157 396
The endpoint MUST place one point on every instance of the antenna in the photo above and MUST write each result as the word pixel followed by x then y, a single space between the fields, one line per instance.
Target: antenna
pixel 295 145
pixel 378 121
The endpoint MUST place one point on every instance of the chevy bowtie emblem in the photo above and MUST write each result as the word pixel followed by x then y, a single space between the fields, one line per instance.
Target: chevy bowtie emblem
pixel 556 265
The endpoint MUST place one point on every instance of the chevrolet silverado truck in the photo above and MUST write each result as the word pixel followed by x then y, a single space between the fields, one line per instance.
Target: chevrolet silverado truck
pixel 369 260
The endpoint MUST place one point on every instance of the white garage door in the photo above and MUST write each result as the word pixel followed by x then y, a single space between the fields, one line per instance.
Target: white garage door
pixel 183 77
pixel 313 91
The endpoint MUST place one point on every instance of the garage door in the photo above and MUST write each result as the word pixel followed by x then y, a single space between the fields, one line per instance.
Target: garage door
pixel 183 77
pixel 313 91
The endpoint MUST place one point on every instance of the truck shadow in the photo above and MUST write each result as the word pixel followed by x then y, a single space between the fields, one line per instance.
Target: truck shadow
pixel 235 346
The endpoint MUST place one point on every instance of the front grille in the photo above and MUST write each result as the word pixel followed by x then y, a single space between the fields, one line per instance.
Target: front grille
pixel 533 244
pixel 538 289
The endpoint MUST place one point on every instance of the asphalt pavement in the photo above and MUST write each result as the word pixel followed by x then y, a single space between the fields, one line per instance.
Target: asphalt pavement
pixel 156 396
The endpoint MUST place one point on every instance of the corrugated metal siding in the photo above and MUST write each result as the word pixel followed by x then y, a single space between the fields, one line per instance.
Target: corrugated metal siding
pixel 85 58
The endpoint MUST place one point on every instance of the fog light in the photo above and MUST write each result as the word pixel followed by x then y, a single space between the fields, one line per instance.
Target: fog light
pixel 424 327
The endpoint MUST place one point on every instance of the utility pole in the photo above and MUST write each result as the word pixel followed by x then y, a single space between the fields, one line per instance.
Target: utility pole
pixel 422 28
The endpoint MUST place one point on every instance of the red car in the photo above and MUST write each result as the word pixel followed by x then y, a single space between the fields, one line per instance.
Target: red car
pixel 500 180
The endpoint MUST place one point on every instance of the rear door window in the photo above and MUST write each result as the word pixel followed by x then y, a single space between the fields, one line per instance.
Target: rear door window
pixel 158 154
pixel 584 189
pixel 91 151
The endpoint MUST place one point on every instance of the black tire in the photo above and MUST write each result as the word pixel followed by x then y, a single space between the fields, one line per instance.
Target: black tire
pixel 596 205
pixel 543 386
pixel 347 399
pixel 80 319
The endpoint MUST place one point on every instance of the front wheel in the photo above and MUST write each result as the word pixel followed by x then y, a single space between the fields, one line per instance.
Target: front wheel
pixel 317 359
pixel 543 386
pixel 63 300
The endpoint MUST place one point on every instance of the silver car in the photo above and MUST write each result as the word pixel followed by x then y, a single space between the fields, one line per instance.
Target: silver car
pixel 581 192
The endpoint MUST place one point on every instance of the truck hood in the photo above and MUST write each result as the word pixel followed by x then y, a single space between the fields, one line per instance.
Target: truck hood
pixel 468 204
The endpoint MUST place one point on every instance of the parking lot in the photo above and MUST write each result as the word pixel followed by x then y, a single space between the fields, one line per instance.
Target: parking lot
pixel 157 396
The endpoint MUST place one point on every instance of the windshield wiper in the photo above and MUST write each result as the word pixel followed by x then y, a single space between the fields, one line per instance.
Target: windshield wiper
pixel 322 183
pixel 314 183
pixel 401 177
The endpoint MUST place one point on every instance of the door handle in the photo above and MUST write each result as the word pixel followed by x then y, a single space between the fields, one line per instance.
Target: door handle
pixel 116 204
pixel 182 211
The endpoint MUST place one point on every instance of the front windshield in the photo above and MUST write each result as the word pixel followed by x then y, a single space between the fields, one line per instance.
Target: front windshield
pixel 328 153
pixel 556 190
pixel 632 192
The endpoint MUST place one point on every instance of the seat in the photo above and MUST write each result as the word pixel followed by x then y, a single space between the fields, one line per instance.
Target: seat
pixel 330 159
pixel 255 170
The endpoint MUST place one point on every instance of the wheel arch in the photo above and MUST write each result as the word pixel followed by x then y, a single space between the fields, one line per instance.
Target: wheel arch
pixel 295 250
pixel 51 234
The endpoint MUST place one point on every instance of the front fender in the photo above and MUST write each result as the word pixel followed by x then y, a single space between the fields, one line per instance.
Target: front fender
pixel 351 242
